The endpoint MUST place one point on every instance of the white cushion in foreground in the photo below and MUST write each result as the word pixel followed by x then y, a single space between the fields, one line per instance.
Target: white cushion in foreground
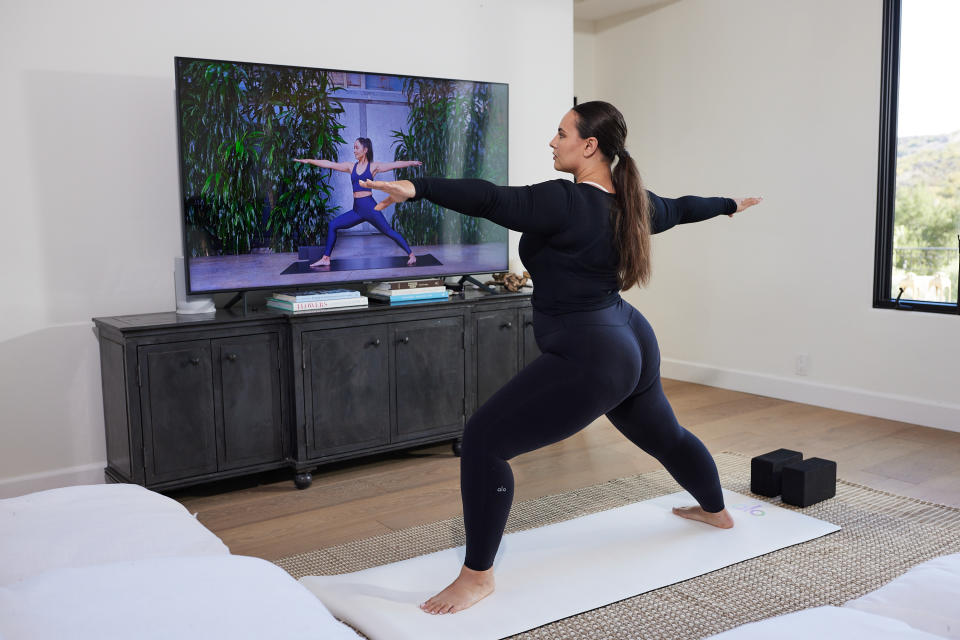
pixel 824 623
pixel 926 597
pixel 163 598
pixel 92 524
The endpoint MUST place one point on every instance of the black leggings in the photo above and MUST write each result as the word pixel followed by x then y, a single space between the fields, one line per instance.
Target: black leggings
pixel 592 363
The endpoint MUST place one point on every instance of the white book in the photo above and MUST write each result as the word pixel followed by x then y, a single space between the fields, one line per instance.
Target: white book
pixel 403 292
pixel 316 304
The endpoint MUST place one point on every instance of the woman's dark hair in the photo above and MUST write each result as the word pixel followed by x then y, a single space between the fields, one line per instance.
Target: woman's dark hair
pixel 368 146
pixel 631 215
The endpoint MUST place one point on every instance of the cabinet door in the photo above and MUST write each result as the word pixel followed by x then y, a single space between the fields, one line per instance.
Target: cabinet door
pixel 115 408
pixel 429 374
pixel 248 397
pixel 530 348
pixel 177 410
pixel 346 389
pixel 497 348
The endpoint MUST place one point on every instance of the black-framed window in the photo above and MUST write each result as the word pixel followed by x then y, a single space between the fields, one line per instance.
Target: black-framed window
pixel 918 194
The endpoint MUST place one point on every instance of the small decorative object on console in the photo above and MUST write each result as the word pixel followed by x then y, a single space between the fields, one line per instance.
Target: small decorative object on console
pixel 510 281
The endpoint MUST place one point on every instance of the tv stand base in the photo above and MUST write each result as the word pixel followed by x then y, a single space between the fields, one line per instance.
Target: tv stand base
pixel 242 296
pixel 472 280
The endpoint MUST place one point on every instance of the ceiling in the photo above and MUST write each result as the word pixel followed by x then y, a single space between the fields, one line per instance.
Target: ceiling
pixel 602 10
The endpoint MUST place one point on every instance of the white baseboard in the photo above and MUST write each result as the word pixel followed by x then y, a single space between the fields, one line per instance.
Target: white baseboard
pixel 881 405
pixel 20 485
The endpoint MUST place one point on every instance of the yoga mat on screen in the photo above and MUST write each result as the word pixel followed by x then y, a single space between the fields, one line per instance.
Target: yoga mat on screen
pixel 560 570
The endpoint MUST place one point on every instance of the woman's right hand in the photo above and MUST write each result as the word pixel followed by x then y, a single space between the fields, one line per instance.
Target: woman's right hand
pixel 744 203
pixel 397 191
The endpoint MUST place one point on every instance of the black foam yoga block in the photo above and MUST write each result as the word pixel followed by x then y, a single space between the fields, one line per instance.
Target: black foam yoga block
pixel 765 471
pixel 808 482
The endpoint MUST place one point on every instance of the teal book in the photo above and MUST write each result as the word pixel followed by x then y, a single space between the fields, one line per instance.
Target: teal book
pixel 406 297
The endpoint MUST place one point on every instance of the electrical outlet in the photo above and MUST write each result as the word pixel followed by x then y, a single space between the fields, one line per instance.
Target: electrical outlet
pixel 803 364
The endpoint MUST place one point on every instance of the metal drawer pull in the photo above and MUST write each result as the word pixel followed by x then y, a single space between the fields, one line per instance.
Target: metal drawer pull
pixel 194 361
pixel 508 325
pixel 232 357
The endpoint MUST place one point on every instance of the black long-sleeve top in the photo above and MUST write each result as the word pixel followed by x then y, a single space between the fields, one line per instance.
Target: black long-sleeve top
pixel 567 243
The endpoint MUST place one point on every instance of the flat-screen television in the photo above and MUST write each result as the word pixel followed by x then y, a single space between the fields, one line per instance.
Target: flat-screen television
pixel 270 162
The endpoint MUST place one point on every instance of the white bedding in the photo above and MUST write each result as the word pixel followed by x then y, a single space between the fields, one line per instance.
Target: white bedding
pixel 94 524
pixel 206 598
pixel 826 623
pixel 922 603
pixel 927 597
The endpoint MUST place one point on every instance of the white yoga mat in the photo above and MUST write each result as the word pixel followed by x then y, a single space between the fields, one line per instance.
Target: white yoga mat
pixel 553 572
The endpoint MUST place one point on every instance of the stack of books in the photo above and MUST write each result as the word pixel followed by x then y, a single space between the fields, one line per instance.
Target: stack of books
pixel 409 291
pixel 296 301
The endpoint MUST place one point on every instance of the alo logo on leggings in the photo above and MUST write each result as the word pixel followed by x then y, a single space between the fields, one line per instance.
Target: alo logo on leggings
pixel 752 509
pixel 502 490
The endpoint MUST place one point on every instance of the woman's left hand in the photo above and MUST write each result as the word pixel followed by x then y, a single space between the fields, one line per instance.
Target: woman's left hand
pixel 744 203
pixel 397 191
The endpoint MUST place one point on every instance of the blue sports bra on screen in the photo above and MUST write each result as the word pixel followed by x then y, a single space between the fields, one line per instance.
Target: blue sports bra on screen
pixel 355 178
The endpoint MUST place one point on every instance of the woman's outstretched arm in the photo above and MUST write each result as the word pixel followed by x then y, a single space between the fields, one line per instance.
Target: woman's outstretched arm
pixel 382 167
pixel 543 208
pixel 346 167
pixel 669 212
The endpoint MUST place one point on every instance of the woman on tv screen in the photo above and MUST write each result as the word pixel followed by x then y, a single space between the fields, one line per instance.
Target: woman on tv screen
pixel 583 242
pixel 363 203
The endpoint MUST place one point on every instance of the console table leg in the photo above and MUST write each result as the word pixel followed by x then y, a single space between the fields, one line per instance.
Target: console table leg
pixel 456 446
pixel 303 480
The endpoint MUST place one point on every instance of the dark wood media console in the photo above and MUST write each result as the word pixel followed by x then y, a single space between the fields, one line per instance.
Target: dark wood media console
pixel 189 399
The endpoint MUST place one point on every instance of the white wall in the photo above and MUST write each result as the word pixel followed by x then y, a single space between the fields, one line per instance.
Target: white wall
pixel 777 98
pixel 89 164
pixel 584 60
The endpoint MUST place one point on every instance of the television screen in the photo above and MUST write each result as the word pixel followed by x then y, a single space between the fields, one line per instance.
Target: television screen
pixel 270 163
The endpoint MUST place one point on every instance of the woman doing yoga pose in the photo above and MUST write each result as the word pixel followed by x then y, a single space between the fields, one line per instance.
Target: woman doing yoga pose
pixel 583 242
pixel 363 202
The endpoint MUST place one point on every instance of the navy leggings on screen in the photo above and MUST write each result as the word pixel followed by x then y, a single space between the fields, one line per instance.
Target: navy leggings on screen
pixel 592 363
pixel 363 211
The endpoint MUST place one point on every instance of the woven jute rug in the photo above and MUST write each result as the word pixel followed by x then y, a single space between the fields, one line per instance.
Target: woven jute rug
pixel 882 536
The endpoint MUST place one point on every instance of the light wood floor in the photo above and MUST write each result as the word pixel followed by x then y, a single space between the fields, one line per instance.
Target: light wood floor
pixel 363 498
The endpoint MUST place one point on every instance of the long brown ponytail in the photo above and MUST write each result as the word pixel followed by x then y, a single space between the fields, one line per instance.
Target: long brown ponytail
pixel 631 215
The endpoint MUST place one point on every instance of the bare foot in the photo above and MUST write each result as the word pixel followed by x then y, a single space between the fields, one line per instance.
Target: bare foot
pixel 322 262
pixel 467 590
pixel 721 519
pixel 412 261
